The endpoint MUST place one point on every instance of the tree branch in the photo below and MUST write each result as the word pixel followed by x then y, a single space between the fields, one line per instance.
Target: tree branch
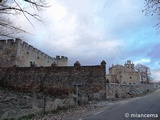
pixel 7 9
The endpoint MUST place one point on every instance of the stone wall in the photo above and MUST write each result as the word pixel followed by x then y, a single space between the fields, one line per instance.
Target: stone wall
pixel 57 81
pixel 114 90
pixel 23 89
pixel 17 52
pixel 8 52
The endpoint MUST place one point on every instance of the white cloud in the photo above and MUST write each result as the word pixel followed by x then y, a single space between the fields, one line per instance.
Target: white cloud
pixel 93 30
pixel 58 12
pixel 156 75
pixel 84 28
pixel 142 61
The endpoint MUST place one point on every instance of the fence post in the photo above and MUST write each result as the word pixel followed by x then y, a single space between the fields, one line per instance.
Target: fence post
pixel 107 90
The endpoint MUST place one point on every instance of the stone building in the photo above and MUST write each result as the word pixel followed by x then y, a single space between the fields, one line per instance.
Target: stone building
pixel 19 53
pixel 123 74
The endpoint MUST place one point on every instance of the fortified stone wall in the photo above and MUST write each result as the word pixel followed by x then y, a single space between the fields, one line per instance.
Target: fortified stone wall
pixel 19 53
pixel 8 52
pixel 55 80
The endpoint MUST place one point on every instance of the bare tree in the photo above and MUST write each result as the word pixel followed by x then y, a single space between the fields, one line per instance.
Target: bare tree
pixel 145 73
pixel 9 8
pixel 152 8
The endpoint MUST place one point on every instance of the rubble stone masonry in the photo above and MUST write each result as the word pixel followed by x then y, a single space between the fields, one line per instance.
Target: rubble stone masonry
pixel 55 80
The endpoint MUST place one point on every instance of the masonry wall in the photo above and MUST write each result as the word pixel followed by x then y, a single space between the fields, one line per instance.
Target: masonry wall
pixel 131 77
pixel 18 52
pixel 114 90
pixel 8 52
pixel 54 80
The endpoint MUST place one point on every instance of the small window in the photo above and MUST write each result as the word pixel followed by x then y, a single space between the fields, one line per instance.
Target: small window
pixel 27 52
pixel 37 57
pixel 130 77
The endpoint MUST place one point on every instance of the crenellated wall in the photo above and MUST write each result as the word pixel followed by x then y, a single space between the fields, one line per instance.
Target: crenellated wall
pixel 8 52
pixel 19 53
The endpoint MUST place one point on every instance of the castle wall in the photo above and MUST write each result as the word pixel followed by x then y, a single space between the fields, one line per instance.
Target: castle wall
pixel 25 54
pixel 8 52
pixel 54 80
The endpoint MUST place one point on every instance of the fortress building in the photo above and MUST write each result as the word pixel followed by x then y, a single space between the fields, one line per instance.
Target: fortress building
pixel 19 53
pixel 123 74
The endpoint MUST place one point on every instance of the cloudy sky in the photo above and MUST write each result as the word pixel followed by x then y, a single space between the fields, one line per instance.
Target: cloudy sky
pixel 94 30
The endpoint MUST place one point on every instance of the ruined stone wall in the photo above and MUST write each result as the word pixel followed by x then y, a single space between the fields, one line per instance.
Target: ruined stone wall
pixel 54 80
pixel 17 52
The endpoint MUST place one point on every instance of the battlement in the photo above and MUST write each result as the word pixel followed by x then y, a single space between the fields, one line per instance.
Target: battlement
pixel 8 41
pixel 33 54
pixel 33 49
pixel 61 57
